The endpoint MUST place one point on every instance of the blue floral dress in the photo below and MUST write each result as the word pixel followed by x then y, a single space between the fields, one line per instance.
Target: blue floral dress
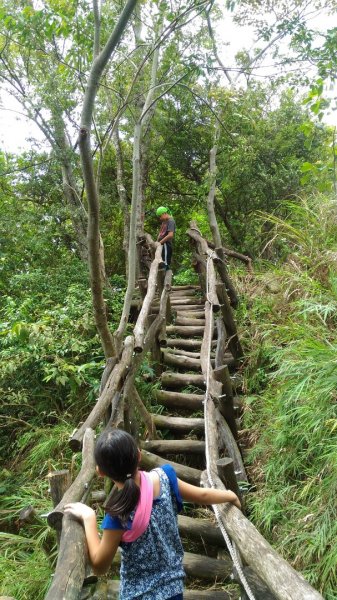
pixel 152 565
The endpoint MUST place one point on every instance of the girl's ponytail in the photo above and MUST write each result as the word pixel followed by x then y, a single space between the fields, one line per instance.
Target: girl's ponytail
pixel 122 502
pixel 116 454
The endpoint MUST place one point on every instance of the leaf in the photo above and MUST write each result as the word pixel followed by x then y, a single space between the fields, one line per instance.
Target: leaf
pixel 307 166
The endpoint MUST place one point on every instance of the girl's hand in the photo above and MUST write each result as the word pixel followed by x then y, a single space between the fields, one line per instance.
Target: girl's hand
pixel 80 511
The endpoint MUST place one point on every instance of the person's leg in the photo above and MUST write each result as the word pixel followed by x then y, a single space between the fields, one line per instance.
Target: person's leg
pixel 168 256
pixel 177 597
pixel 164 254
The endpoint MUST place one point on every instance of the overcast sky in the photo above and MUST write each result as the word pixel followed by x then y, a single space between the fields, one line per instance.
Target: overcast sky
pixel 15 130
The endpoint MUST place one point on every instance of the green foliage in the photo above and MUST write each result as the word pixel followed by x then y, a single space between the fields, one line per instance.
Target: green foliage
pixel 292 407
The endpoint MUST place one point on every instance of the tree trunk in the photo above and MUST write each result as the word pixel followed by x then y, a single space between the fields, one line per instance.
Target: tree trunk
pixel 211 194
pixel 122 196
pixel 94 248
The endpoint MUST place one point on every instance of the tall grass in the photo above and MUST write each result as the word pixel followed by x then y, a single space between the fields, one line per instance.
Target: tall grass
pixel 292 383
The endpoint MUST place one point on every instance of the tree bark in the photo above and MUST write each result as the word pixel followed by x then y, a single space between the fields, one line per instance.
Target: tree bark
pixel 80 488
pixel 112 386
pixel 122 196
pixel 279 576
pixel 94 245
pixel 179 425
pixel 139 329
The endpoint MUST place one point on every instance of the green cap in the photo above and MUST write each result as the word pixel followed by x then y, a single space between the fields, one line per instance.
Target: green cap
pixel 161 211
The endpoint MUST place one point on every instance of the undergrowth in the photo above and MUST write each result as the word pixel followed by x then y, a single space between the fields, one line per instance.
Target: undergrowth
pixel 291 377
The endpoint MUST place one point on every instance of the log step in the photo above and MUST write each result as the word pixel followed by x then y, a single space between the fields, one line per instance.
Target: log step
pixel 189 363
pixel 185 330
pixel 179 399
pixel 185 294
pixel 183 301
pixel 188 307
pixel 176 380
pixel 205 529
pixel 199 566
pixel 174 446
pixel 185 343
pixel 179 424
pixel 185 287
pixel 109 590
pixel 183 352
pixel 151 461
pixel 190 314
pixel 189 321
pixel 182 362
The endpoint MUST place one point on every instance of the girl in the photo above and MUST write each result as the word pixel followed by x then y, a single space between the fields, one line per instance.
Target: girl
pixel 141 517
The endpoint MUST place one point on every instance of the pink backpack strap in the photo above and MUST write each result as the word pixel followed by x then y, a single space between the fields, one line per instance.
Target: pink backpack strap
pixel 143 510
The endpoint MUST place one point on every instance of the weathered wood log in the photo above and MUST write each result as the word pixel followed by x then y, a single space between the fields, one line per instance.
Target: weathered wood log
pixel 71 562
pixel 258 587
pixel 187 307
pixel 139 329
pixel 59 482
pixel 205 529
pixel 246 259
pixel 186 302
pixel 227 315
pixel 181 362
pixel 26 515
pixel 199 566
pixel 203 567
pixel 151 461
pixel 227 475
pixel 190 314
pixel 234 254
pixel 188 286
pixel 179 424
pixel 228 443
pixel 185 330
pixel 210 594
pixel 132 398
pixel 195 235
pixel 142 284
pixel 176 380
pixel 183 343
pixel 164 310
pixel 281 579
pixel 80 488
pixel 185 294
pixel 109 365
pixel 110 591
pixel 180 400
pixel 113 384
pixel 226 399
pixel 221 342
pixel 220 263
pixel 174 446
pixel 214 388
pixel 155 350
pixel 98 496
pixel 72 558
pixel 189 321
pixel 182 352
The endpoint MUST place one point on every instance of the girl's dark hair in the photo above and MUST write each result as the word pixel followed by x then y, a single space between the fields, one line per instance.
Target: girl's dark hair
pixel 116 454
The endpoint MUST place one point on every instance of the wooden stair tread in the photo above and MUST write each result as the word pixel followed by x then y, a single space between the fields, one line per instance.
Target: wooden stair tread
pixel 174 446
pixel 185 343
pixel 170 379
pixel 180 400
pixel 185 330
pixel 199 566
pixel 178 424
pixel 151 461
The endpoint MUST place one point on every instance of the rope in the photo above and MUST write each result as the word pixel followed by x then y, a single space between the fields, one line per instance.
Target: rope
pixel 230 545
